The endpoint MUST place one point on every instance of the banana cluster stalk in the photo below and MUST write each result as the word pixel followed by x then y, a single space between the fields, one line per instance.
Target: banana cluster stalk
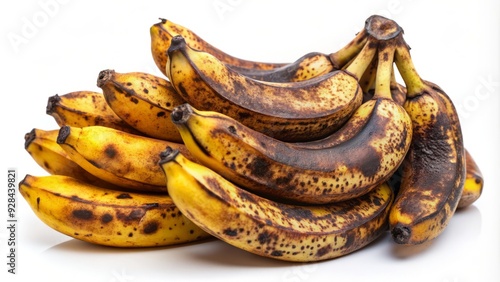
pixel 303 161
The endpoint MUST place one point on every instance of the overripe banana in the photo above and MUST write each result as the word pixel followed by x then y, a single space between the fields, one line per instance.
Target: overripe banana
pixel 162 33
pixel 288 111
pixel 474 182
pixel 433 172
pixel 124 159
pixel 107 217
pixel 85 108
pixel 43 148
pixel 365 152
pixel 142 100
pixel 272 229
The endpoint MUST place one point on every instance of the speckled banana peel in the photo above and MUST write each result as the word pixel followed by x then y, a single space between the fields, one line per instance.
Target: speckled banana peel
pixel 85 108
pixel 273 229
pixel 42 146
pixel 162 33
pixel 107 217
pixel 291 111
pixel 474 182
pixel 142 100
pixel 364 153
pixel 434 170
pixel 117 157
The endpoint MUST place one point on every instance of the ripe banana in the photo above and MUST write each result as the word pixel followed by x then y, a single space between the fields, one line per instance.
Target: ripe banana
pixel 474 182
pixel 272 229
pixel 43 148
pixel 162 33
pixel 142 100
pixel 288 111
pixel 85 108
pixel 126 160
pixel 107 217
pixel 433 172
pixel 364 153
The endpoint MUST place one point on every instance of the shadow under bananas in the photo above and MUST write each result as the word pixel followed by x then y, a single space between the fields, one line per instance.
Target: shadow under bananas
pixel 464 229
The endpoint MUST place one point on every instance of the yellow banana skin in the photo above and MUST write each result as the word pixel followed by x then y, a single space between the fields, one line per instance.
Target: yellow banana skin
pixel 43 148
pixel 123 159
pixel 107 217
pixel 142 100
pixel 272 229
pixel 434 169
pixel 162 33
pixel 293 111
pixel 474 182
pixel 85 108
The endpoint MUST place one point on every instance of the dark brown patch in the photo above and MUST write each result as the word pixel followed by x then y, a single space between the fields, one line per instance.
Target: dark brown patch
pixel 151 227
pixel 124 196
pixel 230 232
pixel 258 167
pixel 110 151
pixel 83 214
pixel 105 218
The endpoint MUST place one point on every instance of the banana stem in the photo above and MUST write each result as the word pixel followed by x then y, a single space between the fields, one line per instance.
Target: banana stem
pixel 358 66
pixel 341 57
pixel 384 71
pixel 413 82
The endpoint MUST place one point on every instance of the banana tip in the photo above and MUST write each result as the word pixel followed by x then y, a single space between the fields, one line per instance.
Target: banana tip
pixel 181 113
pixel 401 234
pixel 51 104
pixel 104 76
pixel 168 155
pixel 64 132
pixel 176 43
pixel 29 137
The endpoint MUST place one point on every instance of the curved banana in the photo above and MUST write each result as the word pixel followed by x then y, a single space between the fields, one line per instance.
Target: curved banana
pixel 142 100
pixel 43 148
pixel 433 172
pixel 272 229
pixel 85 108
pixel 474 182
pixel 107 217
pixel 123 159
pixel 288 111
pixel 162 33
pixel 364 153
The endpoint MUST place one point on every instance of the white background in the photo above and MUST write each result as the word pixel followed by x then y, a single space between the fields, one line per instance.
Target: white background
pixel 51 46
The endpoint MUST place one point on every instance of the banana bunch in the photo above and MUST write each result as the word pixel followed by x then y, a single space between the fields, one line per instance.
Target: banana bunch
pixel 302 161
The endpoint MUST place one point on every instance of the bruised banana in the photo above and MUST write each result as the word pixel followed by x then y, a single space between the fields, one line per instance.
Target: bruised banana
pixel 123 159
pixel 473 186
pixel 308 66
pixel 162 33
pixel 434 170
pixel 272 229
pixel 288 111
pixel 364 153
pixel 43 148
pixel 107 217
pixel 142 100
pixel 474 182
pixel 85 108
